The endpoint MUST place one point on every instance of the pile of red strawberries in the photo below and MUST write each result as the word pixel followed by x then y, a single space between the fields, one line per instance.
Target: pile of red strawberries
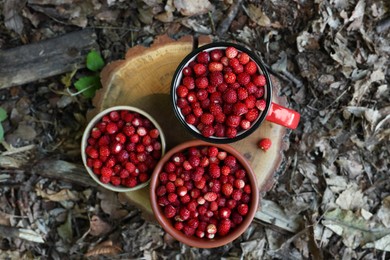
pixel 123 148
pixel 205 191
pixel 221 92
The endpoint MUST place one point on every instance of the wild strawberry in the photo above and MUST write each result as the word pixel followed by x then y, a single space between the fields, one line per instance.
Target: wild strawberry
pixel 259 80
pixel 216 78
pixel 104 179
pixel 247 189
pixel 219 128
pixel 184 213
pixel 112 128
pixel 208 131
pixel 203 57
pixel 96 133
pixel 210 196
pixel 169 211
pixel 239 109
pixel 234 63
pixel 227 189
pixel 245 124
pixel 243 58
pixel 238 69
pixel 92 152
pixel 207 118
pixel 233 121
pixel 265 144
pixel 193 223
pixel 201 95
pixel 259 92
pixel 143 177
pixel 188 231
pixel 182 91
pixel 222 87
pixel 225 170
pixel 191 98
pixel 252 115
pixel 116 147
pixel 261 104
pixel 200 69
pixel 245 198
pixel 230 96
pixel 231 204
pixel 181 191
pixel 187 71
pixel 215 66
pixel 104 151
pixel 242 209
pixel 214 170
pixel 229 77
pixel 178 225
pixel 224 213
pixel 224 227
pixel 242 93
pixel 163 201
pixel 161 191
pixel 106 172
pixel 239 184
pixel 231 52
pixel 211 229
pixel 172 197
pixel 189 82
pixel 115 180
pixel 243 78
pixel 201 82
pixel 236 195
pixel 236 218
pixel 215 98
pixel 251 68
pixel 240 174
pixel 216 55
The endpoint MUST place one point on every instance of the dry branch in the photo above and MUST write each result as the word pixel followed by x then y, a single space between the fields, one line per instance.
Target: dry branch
pixel 44 59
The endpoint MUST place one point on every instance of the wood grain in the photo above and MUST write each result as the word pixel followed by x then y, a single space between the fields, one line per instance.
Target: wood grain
pixel 143 80
pixel 44 59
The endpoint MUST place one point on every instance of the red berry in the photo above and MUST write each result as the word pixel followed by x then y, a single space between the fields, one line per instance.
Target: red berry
pixel 215 66
pixel 187 71
pixel 203 57
pixel 201 82
pixel 216 55
pixel 182 91
pixel 96 133
pixel 265 144
pixel 259 80
pixel 243 58
pixel 207 118
pixel 261 104
pixel 231 52
pixel 230 96
pixel 243 78
pixel 200 69
pixel 224 227
pixel 251 68
pixel 112 128
pixel 210 196
pixel 169 211
pixel 252 115
pixel 214 170
pixel 242 209
pixel 104 151
pixel 239 109
pixel 216 78
pixel 229 77
pixel 227 189
pixel 211 229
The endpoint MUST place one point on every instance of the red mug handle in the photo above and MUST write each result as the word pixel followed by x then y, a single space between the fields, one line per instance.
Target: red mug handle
pixel 283 116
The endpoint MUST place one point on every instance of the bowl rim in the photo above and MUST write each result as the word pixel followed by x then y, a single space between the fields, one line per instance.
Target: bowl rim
pixel 195 241
pixel 84 143
pixel 221 45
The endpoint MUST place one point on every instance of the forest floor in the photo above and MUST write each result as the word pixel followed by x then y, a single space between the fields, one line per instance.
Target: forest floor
pixel 332 58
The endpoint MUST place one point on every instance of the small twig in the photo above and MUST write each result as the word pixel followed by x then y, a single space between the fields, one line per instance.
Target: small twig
pixel 232 13
pixel 12 150
pixel 211 22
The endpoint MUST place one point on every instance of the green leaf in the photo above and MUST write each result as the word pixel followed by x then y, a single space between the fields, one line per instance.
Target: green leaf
pixel 94 61
pixel 1 132
pixel 3 114
pixel 88 85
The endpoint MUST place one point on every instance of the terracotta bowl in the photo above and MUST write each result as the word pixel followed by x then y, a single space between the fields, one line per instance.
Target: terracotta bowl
pixel 195 241
pixel 177 81
pixel 87 133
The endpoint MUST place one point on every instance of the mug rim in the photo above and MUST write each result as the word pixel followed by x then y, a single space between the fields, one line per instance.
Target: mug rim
pixel 223 45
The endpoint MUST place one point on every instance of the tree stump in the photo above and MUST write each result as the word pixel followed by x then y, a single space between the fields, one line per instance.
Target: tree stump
pixel 143 80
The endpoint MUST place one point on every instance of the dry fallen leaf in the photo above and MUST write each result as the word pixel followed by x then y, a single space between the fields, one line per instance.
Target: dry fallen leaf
pixel 257 15
pixel 190 7
pixel 110 204
pixel 105 248
pixel 62 195
pixel 352 198
pixel 12 18
pixel 98 227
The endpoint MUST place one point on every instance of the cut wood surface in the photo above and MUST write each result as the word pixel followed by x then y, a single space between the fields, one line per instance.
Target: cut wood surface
pixel 143 80
pixel 44 59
